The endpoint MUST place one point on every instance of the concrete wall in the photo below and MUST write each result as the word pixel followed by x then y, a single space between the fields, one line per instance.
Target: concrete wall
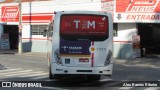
pixel 34 46
pixel 123 42
pixel 33 43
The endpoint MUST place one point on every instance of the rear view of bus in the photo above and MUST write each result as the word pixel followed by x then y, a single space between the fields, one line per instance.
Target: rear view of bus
pixel 82 44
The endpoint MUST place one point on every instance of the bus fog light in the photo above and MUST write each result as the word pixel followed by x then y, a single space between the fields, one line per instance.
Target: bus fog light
pixel 108 58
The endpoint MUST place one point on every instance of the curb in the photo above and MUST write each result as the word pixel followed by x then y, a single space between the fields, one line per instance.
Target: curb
pixel 14 52
pixel 33 54
pixel 155 63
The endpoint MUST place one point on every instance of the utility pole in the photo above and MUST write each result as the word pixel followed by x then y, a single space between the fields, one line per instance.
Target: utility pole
pixel 20 49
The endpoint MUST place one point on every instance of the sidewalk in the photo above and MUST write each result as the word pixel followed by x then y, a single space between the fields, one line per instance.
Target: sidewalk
pixel 15 52
pixel 151 61
pixel 8 51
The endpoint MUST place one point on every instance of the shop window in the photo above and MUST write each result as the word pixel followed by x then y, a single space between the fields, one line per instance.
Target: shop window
pixel 38 29
pixel 115 29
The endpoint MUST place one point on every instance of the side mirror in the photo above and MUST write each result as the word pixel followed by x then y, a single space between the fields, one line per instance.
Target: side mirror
pixel 45 33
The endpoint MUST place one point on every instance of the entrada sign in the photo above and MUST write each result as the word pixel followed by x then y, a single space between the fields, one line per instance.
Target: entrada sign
pixel 137 11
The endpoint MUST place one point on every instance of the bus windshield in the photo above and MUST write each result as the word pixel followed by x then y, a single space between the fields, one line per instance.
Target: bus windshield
pixel 84 26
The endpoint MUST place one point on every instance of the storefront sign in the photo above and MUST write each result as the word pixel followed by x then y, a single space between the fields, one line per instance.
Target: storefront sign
pixel 10 14
pixel 137 11
pixel 107 5
pixel 136 46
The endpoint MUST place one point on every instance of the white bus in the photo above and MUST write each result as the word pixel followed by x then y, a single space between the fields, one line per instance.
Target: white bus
pixel 80 42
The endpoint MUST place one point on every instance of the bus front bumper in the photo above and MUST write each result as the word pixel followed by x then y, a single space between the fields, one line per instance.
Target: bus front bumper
pixel 58 69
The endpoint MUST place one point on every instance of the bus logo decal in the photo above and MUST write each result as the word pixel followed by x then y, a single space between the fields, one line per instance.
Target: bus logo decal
pixel 85 23
pixel 67 61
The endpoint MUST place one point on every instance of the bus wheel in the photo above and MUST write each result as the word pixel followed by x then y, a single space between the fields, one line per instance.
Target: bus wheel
pixel 53 76
pixel 94 77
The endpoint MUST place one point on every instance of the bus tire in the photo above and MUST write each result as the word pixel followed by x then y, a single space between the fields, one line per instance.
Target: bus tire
pixel 53 76
pixel 94 77
pixel 50 73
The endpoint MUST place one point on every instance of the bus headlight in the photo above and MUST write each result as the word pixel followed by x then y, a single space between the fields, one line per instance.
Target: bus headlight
pixel 108 58
pixel 57 57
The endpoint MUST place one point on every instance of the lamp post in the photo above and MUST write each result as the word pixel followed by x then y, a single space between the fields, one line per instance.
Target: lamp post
pixel 20 49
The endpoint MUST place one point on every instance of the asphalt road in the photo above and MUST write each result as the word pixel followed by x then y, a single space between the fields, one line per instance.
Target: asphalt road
pixel 34 68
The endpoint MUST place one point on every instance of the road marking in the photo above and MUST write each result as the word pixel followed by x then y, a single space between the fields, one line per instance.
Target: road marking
pixel 14 72
pixel 153 88
pixel 32 75
pixel 106 79
pixel 55 88
pixel 17 73
pixel 126 88
pixel 9 72
pixel 6 70
pixel 42 77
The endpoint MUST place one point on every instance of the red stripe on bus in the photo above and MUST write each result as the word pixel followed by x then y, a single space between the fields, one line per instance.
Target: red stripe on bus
pixel 92 56
pixel 92 64
pixel 92 43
